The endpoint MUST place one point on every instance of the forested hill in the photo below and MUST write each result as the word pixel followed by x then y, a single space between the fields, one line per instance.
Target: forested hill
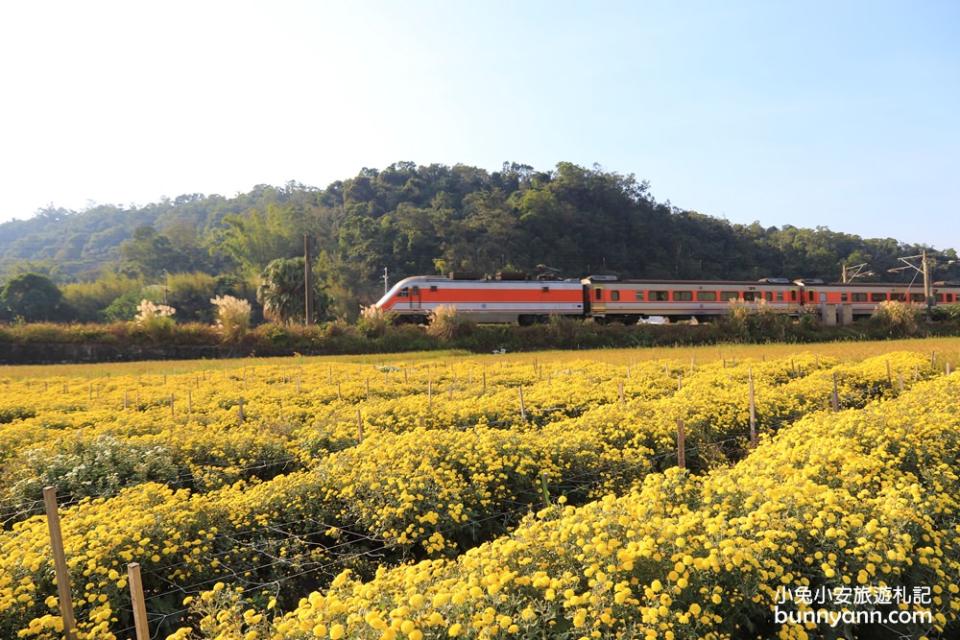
pixel 427 219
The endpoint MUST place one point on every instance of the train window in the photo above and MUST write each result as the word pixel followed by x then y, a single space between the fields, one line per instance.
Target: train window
pixel 769 296
pixel 916 297
pixel 779 296
pixel 615 296
pixel 810 296
pixel 682 296
pixel 659 296
pixel 843 297
pixel 433 287
pixel 878 297
pixel 899 297
pixel 545 289
pixel 639 296
pixel 729 295
pixel 598 294
pixel 859 297
pixel 706 296
pixel 749 296
pixel 403 293
pixel 793 296
pixel 416 289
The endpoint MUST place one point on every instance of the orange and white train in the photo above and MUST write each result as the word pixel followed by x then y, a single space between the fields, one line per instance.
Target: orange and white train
pixel 606 298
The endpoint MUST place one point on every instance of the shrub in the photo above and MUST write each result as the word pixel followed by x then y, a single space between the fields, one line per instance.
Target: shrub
pixel 154 319
pixel 233 317
pixel 447 324
pixel 895 319
pixel 374 322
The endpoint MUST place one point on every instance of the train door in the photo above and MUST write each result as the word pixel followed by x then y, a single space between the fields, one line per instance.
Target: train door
pixel 416 302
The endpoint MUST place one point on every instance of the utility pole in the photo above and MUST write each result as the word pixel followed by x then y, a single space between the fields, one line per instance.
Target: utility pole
pixel 927 295
pixel 307 282
pixel 386 281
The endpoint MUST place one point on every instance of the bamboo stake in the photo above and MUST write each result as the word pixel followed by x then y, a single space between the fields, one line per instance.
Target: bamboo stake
pixel 136 599
pixel 189 402
pixel 172 411
pixel 359 426
pixel 339 395
pixel 240 413
pixel 753 413
pixel 126 399
pixel 681 445
pixel 835 395
pixel 620 394
pixel 889 375
pixel 523 409
pixel 60 563
pixel 544 490
pixel 483 392
pixel 429 395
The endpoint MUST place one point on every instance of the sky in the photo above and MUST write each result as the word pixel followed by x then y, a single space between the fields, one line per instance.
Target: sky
pixel 843 114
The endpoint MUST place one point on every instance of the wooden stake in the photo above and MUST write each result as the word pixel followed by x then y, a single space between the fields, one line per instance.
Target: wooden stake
pixel 367 388
pixel 900 380
pixel 483 391
pixel 172 413
pixel 429 395
pixel 189 402
pixel 889 375
pixel 681 445
pixel 126 399
pixel 623 401
pixel 753 413
pixel 136 599
pixel 679 382
pixel 359 426
pixel 339 395
pixel 835 396
pixel 948 370
pixel 240 413
pixel 405 378
pixel 523 409
pixel 60 563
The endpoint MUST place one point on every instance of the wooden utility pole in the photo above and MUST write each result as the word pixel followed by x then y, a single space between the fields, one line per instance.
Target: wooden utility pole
pixel 307 282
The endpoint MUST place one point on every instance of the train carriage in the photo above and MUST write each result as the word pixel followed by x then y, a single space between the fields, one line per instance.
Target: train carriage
pixel 519 301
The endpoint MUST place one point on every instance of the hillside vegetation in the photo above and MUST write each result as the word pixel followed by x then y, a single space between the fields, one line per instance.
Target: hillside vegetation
pixel 412 220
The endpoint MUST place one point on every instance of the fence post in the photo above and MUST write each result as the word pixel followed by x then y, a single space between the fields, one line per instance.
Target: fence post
pixel 483 392
pixel 900 380
pixel 889 375
pixel 126 399
pixel 681 445
pixel 680 382
pixel 339 395
pixel 623 400
pixel 835 395
pixel 429 395
pixel 189 402
pixel 172 411
pixel 523 408
pixel 60 563
pixel 240 413
pixel 137 601
pixel 753 413
pixel 359 426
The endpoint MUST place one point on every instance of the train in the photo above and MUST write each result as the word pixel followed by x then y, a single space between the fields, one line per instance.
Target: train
pixel 607 298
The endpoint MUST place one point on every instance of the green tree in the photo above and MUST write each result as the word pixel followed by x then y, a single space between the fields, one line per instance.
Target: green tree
pixel 281 292
pixel 35 298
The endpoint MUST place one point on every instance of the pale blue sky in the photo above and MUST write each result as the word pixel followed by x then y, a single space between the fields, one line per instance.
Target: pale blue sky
pixel 811 113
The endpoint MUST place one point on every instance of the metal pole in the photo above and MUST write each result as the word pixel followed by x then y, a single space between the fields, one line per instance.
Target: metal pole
pixel 307 282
